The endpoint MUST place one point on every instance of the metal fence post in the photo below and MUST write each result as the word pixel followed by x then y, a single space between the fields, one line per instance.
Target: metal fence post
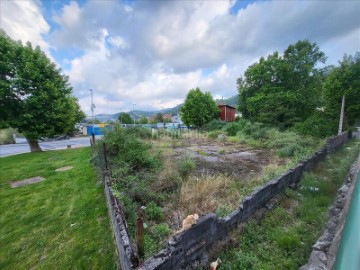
pixel 140 237
pixel 105 156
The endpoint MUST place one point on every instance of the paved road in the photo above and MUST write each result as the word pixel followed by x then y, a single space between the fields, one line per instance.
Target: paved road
pixel 14 149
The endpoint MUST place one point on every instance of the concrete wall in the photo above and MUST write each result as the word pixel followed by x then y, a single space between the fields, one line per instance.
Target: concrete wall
pixel 190 246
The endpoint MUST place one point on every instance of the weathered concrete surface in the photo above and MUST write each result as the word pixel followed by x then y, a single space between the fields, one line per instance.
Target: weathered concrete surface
pixel 63 169
pixel 25 182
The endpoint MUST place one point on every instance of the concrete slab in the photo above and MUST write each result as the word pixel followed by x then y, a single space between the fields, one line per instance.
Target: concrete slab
pixel 25 182
pixel 62 169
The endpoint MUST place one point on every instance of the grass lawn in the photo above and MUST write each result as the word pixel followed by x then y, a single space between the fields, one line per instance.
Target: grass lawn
pixel 284 238
pixel 60 223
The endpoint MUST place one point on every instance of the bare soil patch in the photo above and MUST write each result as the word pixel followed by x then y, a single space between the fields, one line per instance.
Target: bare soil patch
pixel 25 182
pixel 62 169
pixel 234 160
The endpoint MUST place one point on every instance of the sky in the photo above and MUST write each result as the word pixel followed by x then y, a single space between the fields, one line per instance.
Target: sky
pixel 149 54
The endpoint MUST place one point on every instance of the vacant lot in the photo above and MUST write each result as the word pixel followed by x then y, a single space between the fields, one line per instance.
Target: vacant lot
pixel 177 175
pixel 60 222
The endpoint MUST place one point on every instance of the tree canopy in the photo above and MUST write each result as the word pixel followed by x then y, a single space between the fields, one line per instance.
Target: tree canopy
pixel 125 118
pixel 199 108
pixel 35 97
pixel 159 118
pixel 283 90
pixel 143 120
pixel 344 80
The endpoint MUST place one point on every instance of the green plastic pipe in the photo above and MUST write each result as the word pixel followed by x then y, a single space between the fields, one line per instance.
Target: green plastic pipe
pixel 348 254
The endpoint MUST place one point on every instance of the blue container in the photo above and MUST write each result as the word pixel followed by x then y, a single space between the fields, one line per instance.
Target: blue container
pixel 97 130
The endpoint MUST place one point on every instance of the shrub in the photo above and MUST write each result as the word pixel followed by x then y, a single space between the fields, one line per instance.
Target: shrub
pixel 215 125
pixel 186 166
pixel 255 130
pixel 290 150
pixel 318 125
pixel 126 147
pixel 214 134
pixel 139 132
pixel 161 230
pixel 154 212
pixel 234 127
pixel 223 210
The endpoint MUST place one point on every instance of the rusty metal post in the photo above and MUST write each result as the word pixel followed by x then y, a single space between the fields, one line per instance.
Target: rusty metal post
pixel 93 137
pixel 105 156
pixel 140 237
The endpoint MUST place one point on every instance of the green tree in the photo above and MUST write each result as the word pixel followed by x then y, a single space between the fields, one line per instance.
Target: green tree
pixel 143 120
pixel 199 108
pixel 344 80
pixel 283 90
pixel 159 118
pixel 35 97
pixel 125 118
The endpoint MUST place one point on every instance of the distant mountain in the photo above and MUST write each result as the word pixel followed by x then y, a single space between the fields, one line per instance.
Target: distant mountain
pixel 232 101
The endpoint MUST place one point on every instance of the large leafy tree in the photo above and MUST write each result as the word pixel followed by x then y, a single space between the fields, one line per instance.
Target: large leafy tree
pixel 159 118
pixel 35 97
pixel 344 80
pixel 199 108
pixel 283 90
pixel 125 118
pixel 143 120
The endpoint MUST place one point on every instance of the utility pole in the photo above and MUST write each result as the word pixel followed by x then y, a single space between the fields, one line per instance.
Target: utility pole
pixel 177 113
pixel 341 115
pixel 134 114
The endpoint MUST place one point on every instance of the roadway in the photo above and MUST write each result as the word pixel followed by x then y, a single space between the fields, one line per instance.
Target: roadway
pixel 23 147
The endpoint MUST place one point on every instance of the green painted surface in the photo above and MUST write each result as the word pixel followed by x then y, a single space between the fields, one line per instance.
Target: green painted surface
pixel 348 255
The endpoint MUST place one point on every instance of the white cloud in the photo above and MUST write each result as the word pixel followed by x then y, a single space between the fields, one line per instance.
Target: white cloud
pixel 23 20
pixel 152 52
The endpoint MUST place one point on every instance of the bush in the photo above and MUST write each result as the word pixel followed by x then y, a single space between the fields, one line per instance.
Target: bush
pixel 232 128
pixel 125 147
pixel 186 166
pixel 161 230
pixel 215 125
pixel 154 212
pixel 139 132
pixel 318 125
pixel 255 130
pixel 290 150
pixel 214 134
pixel 223 210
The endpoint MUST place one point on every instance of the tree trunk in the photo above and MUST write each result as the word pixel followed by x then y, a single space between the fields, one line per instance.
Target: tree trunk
pixel 34 145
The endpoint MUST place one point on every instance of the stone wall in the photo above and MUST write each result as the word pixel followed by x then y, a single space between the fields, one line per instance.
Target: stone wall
pixel 191 245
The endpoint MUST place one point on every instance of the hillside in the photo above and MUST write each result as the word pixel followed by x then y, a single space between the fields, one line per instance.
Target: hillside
pixel 232 101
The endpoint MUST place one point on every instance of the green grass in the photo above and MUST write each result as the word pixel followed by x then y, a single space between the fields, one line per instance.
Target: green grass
pixel 60 223
pixel 284 238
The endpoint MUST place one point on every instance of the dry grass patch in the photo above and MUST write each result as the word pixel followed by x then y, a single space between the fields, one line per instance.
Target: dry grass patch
pixel 168 179
pixel 207 194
